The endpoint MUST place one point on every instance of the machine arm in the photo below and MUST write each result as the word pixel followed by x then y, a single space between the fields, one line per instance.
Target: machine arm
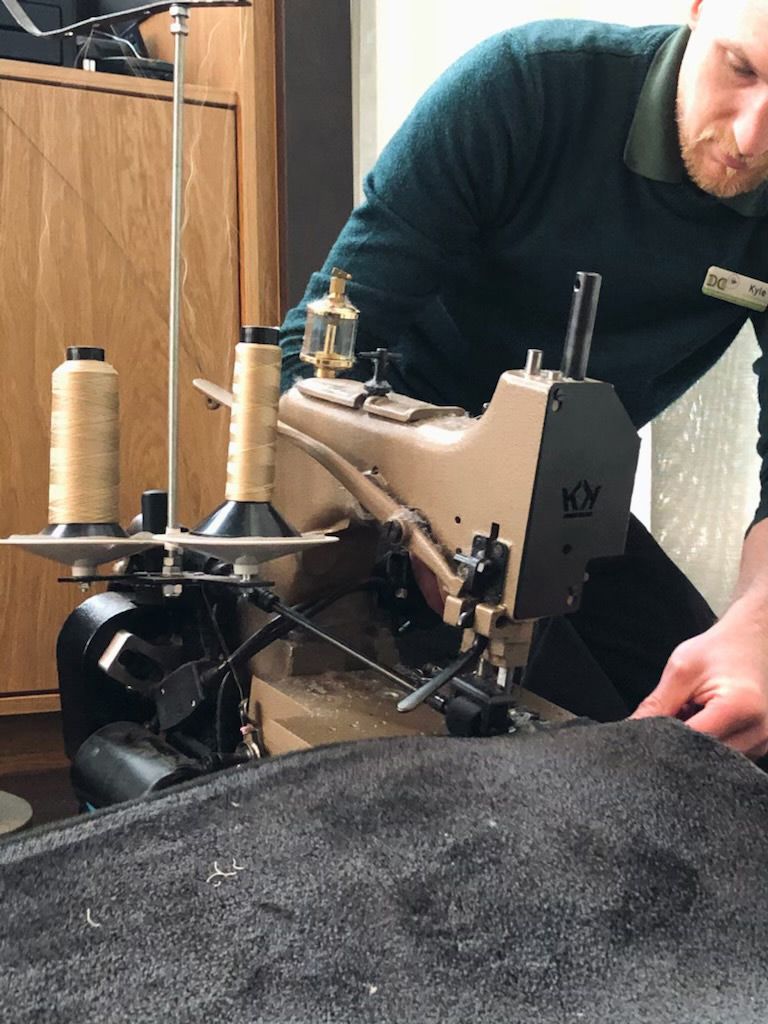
pixel 371 496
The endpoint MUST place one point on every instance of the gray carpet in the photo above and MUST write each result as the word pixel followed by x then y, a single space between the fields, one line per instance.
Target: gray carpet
pixel 595 873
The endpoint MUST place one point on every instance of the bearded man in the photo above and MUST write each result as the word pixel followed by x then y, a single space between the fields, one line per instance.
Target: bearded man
pixel 640 153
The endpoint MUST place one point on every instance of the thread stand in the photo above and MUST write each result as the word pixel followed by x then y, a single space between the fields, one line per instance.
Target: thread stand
pixel 245 553
pixel 245 530
pixel 179 30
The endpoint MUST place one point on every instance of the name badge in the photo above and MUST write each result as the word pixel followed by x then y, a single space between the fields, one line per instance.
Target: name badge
pixel 736 288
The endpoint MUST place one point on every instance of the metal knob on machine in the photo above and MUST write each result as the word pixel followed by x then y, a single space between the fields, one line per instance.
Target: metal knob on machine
pixel 378 385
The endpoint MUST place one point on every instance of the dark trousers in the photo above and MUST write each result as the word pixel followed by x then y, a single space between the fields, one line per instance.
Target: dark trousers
pixel 604 659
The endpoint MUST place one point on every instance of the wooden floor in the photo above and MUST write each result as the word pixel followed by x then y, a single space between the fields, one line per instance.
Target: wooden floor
pixel 33 765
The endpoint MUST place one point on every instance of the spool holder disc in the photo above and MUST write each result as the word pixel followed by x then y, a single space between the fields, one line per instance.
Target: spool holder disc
pixel 83 554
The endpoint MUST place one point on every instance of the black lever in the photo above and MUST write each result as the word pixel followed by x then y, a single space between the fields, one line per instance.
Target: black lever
pixel 424 692
pixel 581 323
pixel 381 358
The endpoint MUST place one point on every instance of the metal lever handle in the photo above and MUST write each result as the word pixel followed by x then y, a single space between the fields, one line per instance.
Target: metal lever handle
pixel 381 358
pixel 433 685
pixel 581 323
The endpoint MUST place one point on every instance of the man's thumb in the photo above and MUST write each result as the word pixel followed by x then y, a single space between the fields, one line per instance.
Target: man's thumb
pixel 667 699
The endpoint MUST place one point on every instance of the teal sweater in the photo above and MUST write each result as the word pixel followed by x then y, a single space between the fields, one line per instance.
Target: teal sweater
pixel 547 149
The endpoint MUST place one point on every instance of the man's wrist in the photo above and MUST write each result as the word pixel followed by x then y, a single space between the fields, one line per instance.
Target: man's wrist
pixel 750 606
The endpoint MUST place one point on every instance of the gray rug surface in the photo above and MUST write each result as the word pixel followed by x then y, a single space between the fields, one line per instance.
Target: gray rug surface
pixel 609 873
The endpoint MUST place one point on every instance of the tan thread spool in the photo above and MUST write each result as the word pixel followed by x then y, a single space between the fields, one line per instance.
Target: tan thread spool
pixel 85 446
pixel 253 423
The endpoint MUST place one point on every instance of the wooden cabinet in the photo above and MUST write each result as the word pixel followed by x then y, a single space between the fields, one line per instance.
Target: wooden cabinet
pixel 84 210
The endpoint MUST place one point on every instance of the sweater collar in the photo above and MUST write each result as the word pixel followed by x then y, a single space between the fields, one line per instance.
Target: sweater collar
pixel 653 147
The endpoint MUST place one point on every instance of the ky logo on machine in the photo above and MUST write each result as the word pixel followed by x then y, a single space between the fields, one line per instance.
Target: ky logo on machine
pixel 579 501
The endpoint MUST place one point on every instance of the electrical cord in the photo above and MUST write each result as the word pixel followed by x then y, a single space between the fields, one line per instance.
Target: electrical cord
pixel 232 673
pixel 275 629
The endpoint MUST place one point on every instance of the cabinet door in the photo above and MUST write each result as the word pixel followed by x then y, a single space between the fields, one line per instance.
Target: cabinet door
pixel 85 211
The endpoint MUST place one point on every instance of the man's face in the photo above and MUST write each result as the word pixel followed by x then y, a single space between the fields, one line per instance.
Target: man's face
pixel 722 96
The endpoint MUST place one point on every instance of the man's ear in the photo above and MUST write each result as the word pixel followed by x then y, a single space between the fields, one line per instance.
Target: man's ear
pixel 694 13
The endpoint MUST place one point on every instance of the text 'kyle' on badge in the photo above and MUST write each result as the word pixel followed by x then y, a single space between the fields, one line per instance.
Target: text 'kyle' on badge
pixel 731 287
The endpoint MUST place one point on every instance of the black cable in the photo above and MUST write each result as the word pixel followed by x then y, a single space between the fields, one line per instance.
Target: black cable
pixel 218 724
pixel 281 624
pixel 232 673
pixel 288 618
pixel 223 645
pixel 329 638
pixel 275 629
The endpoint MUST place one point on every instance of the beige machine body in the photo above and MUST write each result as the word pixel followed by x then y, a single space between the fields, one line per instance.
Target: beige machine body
pixel 499 515
pixel 544 476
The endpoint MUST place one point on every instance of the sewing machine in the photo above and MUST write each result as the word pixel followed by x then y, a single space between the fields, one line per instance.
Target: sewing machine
pixel 494 518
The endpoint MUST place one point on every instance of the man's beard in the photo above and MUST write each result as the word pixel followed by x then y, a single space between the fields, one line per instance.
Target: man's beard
pixel 722 182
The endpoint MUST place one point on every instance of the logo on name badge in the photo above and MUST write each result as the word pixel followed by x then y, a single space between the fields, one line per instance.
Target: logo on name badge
pixel 736 288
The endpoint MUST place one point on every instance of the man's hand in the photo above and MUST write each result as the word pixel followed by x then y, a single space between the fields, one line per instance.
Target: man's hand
pixel 718 682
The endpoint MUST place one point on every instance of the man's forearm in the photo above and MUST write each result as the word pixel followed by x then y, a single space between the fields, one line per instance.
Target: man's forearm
pixel 752 585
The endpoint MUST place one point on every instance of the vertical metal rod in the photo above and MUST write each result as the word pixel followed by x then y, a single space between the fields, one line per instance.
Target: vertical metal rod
pixel 578 340
pixel 533 362
pixel 179 29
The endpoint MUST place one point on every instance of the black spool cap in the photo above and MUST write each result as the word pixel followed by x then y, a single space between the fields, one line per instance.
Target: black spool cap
pixel 259 335
pixel 85 352
pixel 154 511
pixel 245 519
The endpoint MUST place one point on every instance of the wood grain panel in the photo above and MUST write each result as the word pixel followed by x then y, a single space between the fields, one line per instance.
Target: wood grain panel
pixel 31 744
pixel 76 78
pixel 234 49
pixel 84 192
pixel 34 703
